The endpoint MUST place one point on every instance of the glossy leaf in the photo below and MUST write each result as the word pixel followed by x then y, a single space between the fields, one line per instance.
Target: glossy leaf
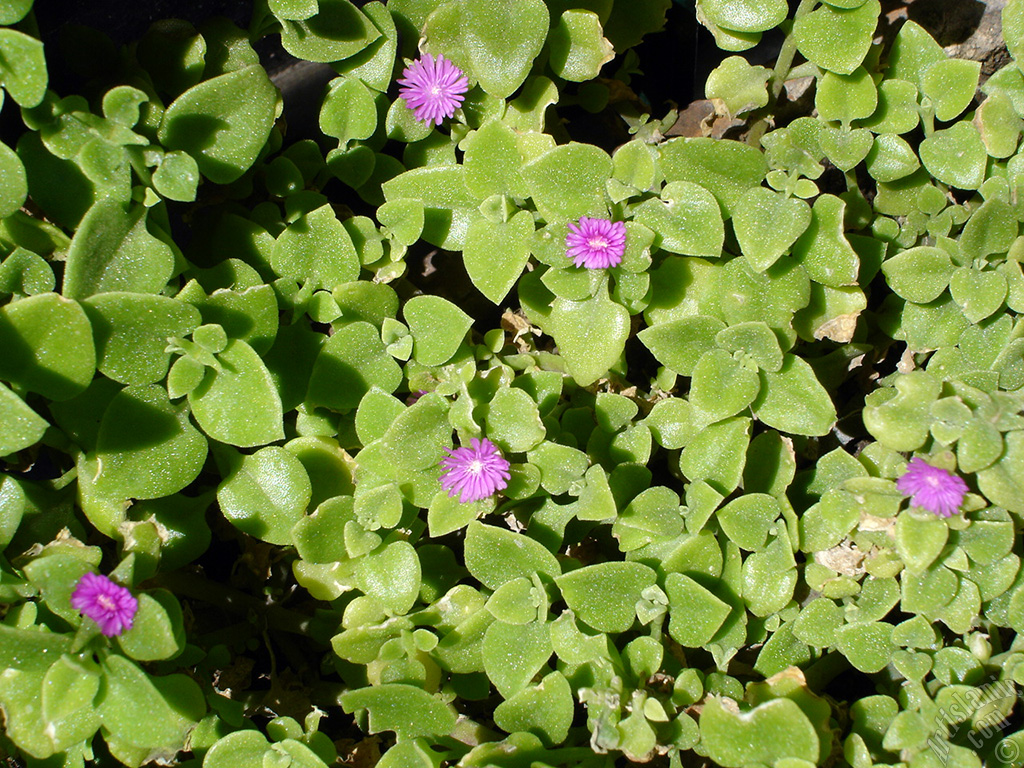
pixel 492 42
pixel 114 250
pixel 836 39
pixel 793 400
pixel 223 122
pixel 238 404
pixel 605 595
pixel 266 494
pixel 408 711
pixel 147 446
pixel 767 224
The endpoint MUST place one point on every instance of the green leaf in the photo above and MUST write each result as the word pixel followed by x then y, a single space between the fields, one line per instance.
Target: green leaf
pixel 238 404
pixel 158 631
pixel 843 147
pixel 495 253
pixel 437 327
pixel 605 595
pixel 722 386
pixel 818 622
pixel 493 161
pixel 793 400
pixel 955 155
pixel 15 190
pixel 26 726
pixel 686 218
pixel 846 98
pixel 265 494
pixel 337 31
pixel 823 249
pixel 897 111
pixel 392 575
pixel 494 41
pixel 835 39
pixel 446 513
pixel 745 15
pixel 68 687
pixel 901 420
pixel 770 577
pixel 950 84
pixel 891 158
pixel 748 520
pixel 26 273
pixel 568 182
pixel 725 168
pixel 48 347
pixel 991 229
pixel 717 454
pixel 514 653
pixel 1002 482
pixel 173 704
pixel 739 85
pixel 113 250
pixel 237 749
pixel 131 332
pixel 767 223
pixel 316 248
pixel 223 122
pixel 495 556
pixel 14 11
pixel 146 447
pixel 348 111
pixel 673 423
pixel 578 46
pixel 22 67
pixel 22 427
pixel 513 421
pixel 920 538
pixel 999 124
pixel 769 733
pixel 375 64
pixel 868 645
pixel 418 435
pixel 979 293
pixel 695 614
pixel 449 207
pixel 351 363
pixel 590 334
pixel 545 710
pixel 408 711
pixel 653 515
pixel 755 341
pixel 680 344
pixel 177 177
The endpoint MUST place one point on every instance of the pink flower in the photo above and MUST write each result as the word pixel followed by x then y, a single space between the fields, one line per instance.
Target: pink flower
pixel 108 604
pixel 932 488
pixel 474 473
pixel 432 89
pixel 596 243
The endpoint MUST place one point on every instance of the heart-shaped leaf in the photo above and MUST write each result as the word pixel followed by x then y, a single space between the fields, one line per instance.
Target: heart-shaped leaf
pixel 767 223
pixel 979 293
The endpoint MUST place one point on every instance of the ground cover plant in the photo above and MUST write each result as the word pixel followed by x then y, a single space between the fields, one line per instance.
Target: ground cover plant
pixel 504 422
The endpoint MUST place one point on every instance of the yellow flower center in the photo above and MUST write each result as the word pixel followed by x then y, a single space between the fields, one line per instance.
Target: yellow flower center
pixel 106 603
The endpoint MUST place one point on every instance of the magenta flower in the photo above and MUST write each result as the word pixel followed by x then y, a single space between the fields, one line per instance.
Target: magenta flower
pixel 596 243
pixel 932 488
pixel 474 473
pixel 433 89
pixel 108 604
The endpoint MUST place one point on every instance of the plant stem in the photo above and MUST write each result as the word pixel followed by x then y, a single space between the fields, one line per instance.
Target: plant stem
pixel 783 64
